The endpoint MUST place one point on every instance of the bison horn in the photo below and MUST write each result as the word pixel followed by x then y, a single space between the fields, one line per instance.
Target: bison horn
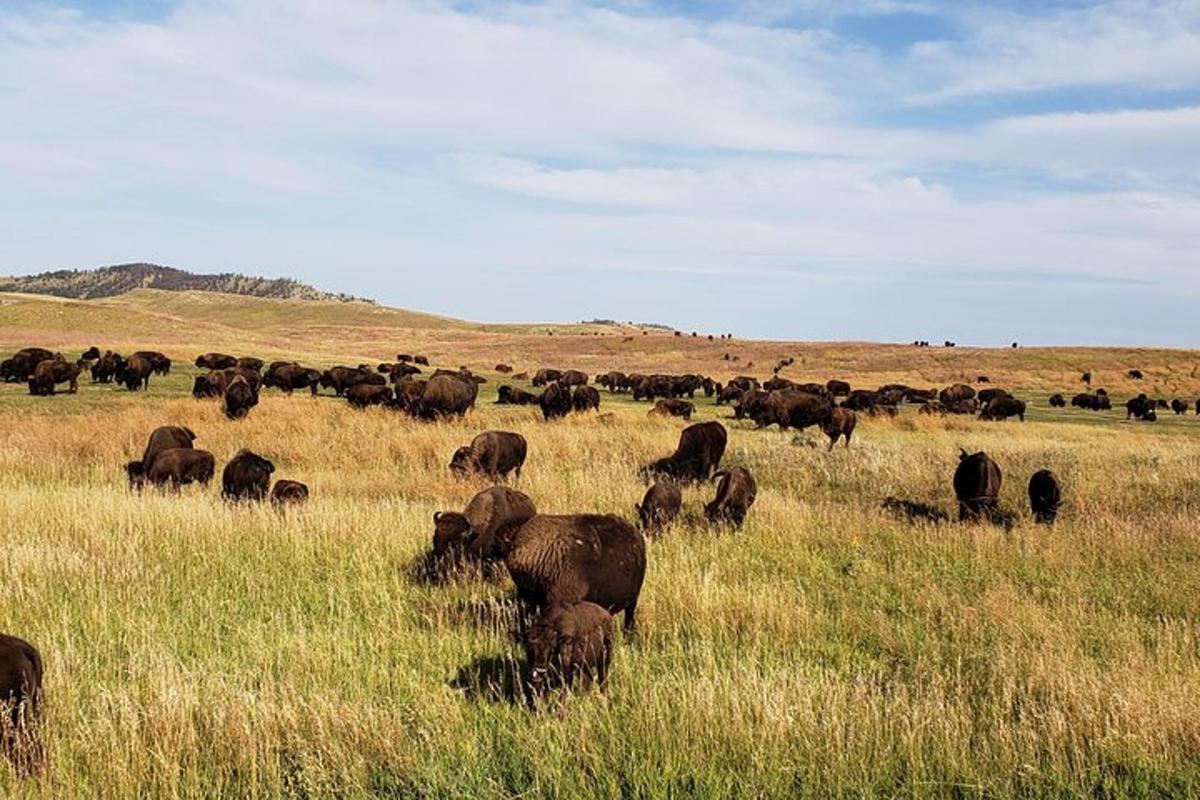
pixel 437 515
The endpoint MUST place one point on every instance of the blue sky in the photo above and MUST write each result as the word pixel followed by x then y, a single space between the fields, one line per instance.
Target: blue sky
pixel 805 169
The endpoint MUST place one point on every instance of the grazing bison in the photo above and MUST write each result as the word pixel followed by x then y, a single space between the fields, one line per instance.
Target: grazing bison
pixel 159 363
pixel 546 376
pixel 361 395
pixel 977 486
pixel 861 400
pixel 914 511
pixel 674 408
pixel 342 378
pixel 750 404
pixel 484 531
pixel 175 467
pixel 555 401
pixel 955 393
pixel 1058 401
pixel 503 369
pixel 585 398
pixel 91 354
pixel 513 396
pixel 210 385
pixel 445 396
pixel 1045 496
pixel 289 493
pixel 240 397
pixel 20 367
pixel 613 381
pixel 246 477
pixel 107 367
pixel 1091 402
pixel 794 409
pixel 1138 407
pixel 53 371
pixel 1002 407
pixel 491 453
pixel 21 673
pixel 841 423
pixel 735 495
pixel 568 559
pixel 1135 374
pixel 569 645
pixel 729 394
pixel 255 364
pixel 1178 406
pixel 988 395
pixel 408 395
pixel 290 377
pixel 659 506
pixel 698 455
pixel 135 373
pixel 573 377
pixel 212 361
pixel 166 437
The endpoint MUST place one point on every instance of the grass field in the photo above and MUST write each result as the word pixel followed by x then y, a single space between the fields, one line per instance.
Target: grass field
pixel 199 650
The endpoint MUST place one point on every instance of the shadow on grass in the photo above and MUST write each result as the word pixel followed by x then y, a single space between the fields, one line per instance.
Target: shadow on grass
pixel 492 679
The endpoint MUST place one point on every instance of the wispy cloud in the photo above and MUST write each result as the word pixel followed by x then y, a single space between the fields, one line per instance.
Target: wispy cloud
pixel 409 149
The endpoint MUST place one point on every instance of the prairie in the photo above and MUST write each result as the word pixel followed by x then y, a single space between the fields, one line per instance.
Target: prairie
pixel 195 649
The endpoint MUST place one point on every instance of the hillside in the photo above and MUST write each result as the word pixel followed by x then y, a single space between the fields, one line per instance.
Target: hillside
pixel 122 278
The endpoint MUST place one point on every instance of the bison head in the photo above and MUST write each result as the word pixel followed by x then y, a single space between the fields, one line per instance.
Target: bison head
pixel 451 531
pixel 461 464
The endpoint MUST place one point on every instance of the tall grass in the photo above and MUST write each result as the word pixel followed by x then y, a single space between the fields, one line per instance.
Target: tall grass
pixel 195 649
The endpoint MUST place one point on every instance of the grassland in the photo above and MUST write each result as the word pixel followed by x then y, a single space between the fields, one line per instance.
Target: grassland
pixel 199 650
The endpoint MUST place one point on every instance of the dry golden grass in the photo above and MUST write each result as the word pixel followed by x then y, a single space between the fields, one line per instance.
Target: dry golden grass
pixel 197 650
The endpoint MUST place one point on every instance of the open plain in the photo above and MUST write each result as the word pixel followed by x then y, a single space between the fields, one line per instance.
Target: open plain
pixel 199 649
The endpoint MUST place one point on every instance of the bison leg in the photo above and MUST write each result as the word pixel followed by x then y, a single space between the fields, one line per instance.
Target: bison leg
pixel 630 610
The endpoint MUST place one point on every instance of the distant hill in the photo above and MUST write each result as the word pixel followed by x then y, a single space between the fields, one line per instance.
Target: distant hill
pixel 116 280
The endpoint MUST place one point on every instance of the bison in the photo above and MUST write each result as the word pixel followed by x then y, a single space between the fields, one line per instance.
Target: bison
pixel 585 398
pixel 290 377
pixel 513 396
pixel 1002 407
pixel 211 361
pixel 794 409
pixel 659 506
pixel 159 363
pixel 20 367
pixel 288 493
pixel 53 371
pixel 361 395
pixel 445 396
pixel 484 531
pixel 841 423
pixel 555 401
pixel 1045 496
pixel 674 408
pixel 698 455
pixel 546 376
pixel 21 673
pixel 569 645
pixel 1058 401
pixel 246 477
pixel 175 467
pixel 135 373
pixel 491 453
pixel 977 486
pixel 166 437
pixel 240 397
pixel 568 559
pixel 955 393
pixel 735 494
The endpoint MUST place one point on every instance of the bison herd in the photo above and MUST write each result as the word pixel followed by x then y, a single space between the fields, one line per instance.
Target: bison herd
pixel 573 572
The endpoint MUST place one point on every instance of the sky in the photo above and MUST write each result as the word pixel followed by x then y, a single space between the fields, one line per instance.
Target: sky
pixel 882 170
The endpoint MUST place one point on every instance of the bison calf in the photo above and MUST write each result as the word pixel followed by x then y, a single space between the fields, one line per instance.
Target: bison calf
pixel 841 423
pixel 735 495
pixel 569 645
pixel 659 506
pixel 1045 496
pixel 491 453
pixel 288 493
pixel 174 467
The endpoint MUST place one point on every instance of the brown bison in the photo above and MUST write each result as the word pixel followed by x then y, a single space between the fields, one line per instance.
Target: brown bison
pixel 445 396
pixel 555 401
pixel 659 506
pixel 750 404
pixel 246 477
pixel 585 398
pixel 513 396
pixel 568 559
pixel 247 362
pixel 504 369
pixel 977 486
pixel 21 673
pixel 1003 407
pixel 1139 407
pixel 361 395
pixel 159 363
pixel 53 371
pixel 107 366
pixel 290 377
pixel 20 367
pixel 794 409
pixel 735 494
pixel 211 361
pixel 166 437
pixel 837 388
pixel 240 397
pixel 698 455
pixel 955 393
pixel 1179 407
pixel 342 378
pixel 1058 401
pixel 178 466
pixel 573 377
pixel 1045 496
pixel 840 424
pixel 569 645
pixel 485 529
pixel 288 493
pixel 492 453
pixel 674 408
pixel 135 373
pixel 546 376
